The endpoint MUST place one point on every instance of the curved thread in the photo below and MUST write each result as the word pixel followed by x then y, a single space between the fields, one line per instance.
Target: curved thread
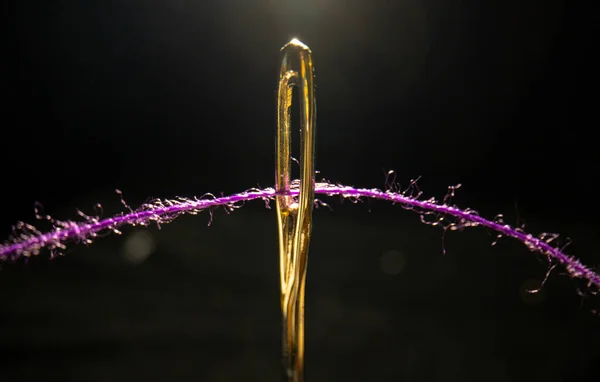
pixel 160 211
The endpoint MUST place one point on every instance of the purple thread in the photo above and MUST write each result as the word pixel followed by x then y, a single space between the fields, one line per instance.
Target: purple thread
pixel 30 241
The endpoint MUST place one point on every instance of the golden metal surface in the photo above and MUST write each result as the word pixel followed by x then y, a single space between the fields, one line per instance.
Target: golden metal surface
pixel 294 214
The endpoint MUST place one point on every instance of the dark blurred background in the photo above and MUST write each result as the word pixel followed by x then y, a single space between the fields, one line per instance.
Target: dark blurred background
pixel 174 97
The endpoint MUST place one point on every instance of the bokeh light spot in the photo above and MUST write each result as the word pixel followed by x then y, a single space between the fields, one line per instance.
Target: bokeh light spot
pixel 392 262
pixel 138 247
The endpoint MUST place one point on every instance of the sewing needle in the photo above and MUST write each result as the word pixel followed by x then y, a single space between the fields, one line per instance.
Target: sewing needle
pixel 294 214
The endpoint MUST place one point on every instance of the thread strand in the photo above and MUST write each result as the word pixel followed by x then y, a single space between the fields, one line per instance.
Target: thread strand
pixel 27 241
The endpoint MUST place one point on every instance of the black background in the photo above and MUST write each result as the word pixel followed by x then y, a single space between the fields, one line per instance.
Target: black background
pixel 167 98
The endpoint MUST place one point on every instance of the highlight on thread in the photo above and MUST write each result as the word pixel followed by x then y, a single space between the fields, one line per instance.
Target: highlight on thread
pixel 28 241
